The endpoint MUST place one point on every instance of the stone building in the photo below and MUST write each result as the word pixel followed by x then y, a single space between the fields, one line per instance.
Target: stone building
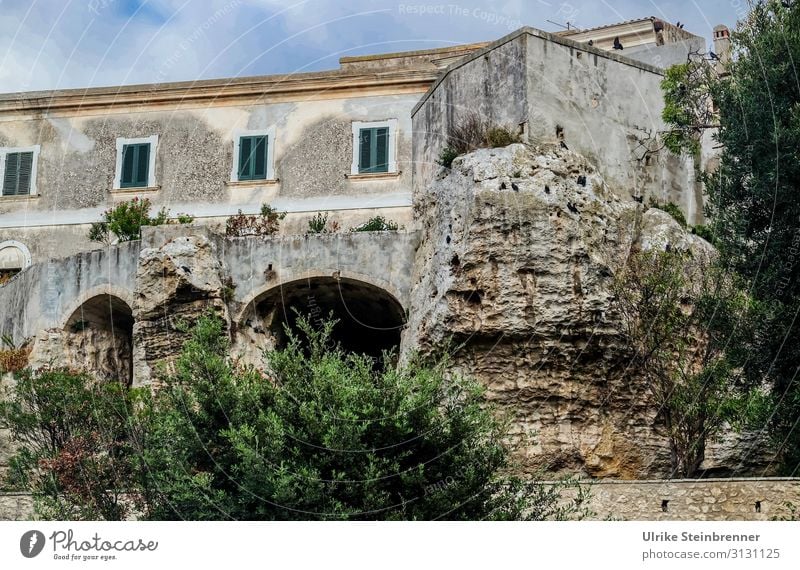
pixel 510 252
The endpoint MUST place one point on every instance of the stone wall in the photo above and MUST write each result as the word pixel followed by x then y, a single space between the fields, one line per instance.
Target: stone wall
pixel 695 500
pixel 687 500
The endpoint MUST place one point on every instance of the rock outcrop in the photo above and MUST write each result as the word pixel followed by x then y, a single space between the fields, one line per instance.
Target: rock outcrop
pixel 520 246
pixel 176 283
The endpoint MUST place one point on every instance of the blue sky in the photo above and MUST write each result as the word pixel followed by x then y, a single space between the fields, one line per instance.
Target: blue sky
pixel 55 44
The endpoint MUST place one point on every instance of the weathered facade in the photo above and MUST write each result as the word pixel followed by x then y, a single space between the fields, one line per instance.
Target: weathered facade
pixel 509 253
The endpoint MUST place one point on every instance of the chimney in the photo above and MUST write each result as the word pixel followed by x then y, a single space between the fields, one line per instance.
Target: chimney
pixel 722 47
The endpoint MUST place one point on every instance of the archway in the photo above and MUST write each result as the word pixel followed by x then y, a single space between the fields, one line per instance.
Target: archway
pixel 14 257
pixel 98 338
pixel 370 319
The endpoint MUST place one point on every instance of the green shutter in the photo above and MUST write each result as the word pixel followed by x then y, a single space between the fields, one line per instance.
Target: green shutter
pixel 135 165
pixel 373 152
pixel 381 150
pixel 253 158
pixel 18 174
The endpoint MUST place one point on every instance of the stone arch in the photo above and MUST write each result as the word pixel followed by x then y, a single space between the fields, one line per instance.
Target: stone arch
pixel 14 257
pixel 98 335
pixel 369 313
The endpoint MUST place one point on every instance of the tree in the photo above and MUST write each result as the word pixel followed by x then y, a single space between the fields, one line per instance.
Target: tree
pixel 321 434
pixel 676 314
pixel 755 204
pixel 74 438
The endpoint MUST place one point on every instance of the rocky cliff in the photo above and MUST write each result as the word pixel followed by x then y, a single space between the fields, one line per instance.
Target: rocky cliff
pixel 519 249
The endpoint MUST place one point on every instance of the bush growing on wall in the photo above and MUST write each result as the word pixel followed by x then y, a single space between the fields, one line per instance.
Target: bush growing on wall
pixel 126 220
pixel 471 133
pixel 264 224
pixel 377 224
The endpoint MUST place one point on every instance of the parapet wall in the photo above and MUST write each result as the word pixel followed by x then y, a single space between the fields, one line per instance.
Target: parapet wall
pixel 696 500
pixel 687 499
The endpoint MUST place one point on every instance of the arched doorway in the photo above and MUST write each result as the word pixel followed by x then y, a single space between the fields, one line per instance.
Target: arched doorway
pixel 14 257
pixel 369 318
pixel 98 338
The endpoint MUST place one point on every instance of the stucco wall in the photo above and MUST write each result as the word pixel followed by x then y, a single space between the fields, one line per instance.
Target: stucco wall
pixel 313 148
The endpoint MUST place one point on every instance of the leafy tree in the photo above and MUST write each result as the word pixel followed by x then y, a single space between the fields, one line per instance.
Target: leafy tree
pixel 677 314
pixel 324 435
pixel 755 204
pixel 74 439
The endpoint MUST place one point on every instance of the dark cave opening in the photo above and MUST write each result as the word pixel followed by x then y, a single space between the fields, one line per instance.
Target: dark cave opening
pixel 369 319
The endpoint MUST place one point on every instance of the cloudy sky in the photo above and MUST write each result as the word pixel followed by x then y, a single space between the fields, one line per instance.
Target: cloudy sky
pixel 53 44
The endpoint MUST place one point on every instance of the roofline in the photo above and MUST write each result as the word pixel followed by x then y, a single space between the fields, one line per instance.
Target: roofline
pixel 210 90
pixel 568 33
pixel 566 42
pixel 422 52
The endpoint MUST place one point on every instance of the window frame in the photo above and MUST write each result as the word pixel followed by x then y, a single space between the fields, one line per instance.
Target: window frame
pixel 4 151
pixel 269 133
pixel 391 124
pixel 152 140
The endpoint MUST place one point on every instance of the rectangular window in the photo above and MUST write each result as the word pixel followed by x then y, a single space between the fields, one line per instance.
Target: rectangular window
pixel 135 165
pixel 253 157
pixel 373 150
pixel 18 174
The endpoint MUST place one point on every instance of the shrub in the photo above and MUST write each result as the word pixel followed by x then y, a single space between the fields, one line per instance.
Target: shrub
pixel 185 218
pixel 264 224
pixel 126 220
pixel 704 232
pixel 447 156
pixel 12 357
pixel 325 435
pixel 376 224
pixel 673 210
pixel 319 224
pixel 473 132
pixel 74 441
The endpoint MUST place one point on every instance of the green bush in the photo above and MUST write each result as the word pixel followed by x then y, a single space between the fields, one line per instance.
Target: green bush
pixel 376 224
pixel 704 232
pixel 473 132
pixel 447 156
pixel 320 434
pixel 673 210
pixel 319 224
pixel 500 137
pixel 75 439
pixel 126 220
pixel 185 218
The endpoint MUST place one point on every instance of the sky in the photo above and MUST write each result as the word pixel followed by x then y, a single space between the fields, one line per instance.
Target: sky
pixel 59 44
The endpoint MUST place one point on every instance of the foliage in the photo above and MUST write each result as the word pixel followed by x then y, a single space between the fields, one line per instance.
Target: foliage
pixel 377 224
pixel 754 202
pixel 319 224
pixel 13 359
pixel 264 224
pixel 473 132
pixel 678 315
pixel 704 231
pixel 326 435
pixel 74 443
pixel 125 221
pixel 688 105
pixel 185 218
pixel 447 156
pixel 673 210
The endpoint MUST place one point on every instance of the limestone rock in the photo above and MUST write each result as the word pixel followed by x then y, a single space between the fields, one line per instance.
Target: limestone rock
pixel 520 246
pixel 176 283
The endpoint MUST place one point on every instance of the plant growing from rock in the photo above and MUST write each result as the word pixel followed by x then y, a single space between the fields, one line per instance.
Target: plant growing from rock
pixel 677 316
pixel 266 223
pixel 473 132
pixel 12 357
pixel 376 224
pixel 125 221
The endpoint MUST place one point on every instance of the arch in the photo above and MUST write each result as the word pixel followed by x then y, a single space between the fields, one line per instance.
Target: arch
pixel 370 318
pixel 124 295
pixel 98 336
pixel 14 257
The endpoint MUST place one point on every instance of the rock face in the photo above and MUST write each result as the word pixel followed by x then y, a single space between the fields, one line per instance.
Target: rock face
pixel 519 248
pixel 176 283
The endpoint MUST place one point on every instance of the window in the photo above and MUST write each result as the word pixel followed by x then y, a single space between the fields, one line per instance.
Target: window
pixel 136 161
pixel 18 171
pixel 374 147
pixel 253 155
pixel 253 158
